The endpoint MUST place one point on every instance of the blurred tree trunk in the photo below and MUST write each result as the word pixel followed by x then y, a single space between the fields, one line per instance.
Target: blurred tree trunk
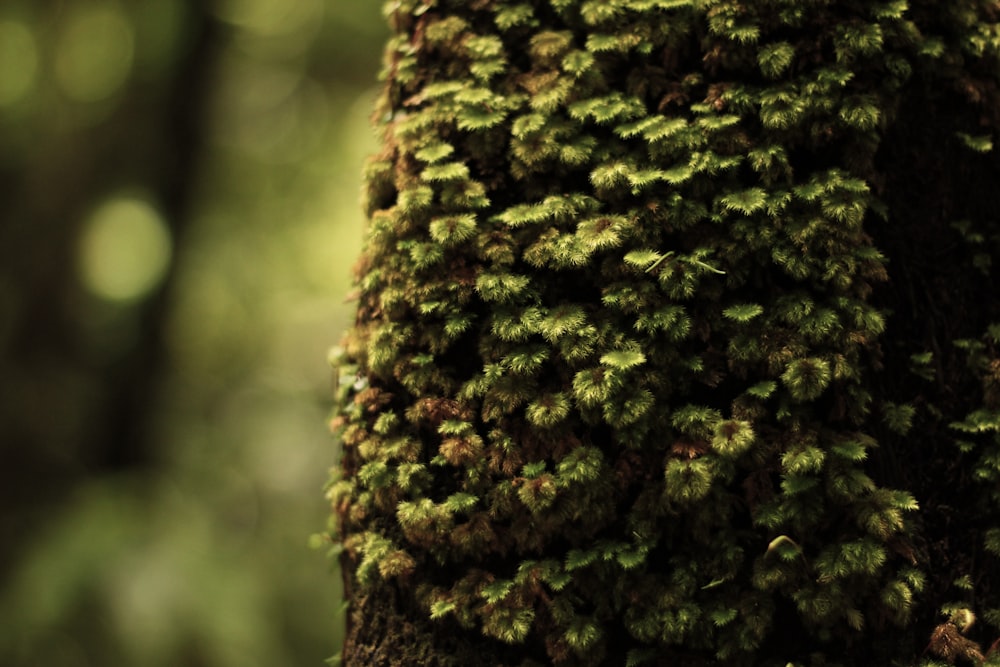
pixel 80 373
pixel 678 339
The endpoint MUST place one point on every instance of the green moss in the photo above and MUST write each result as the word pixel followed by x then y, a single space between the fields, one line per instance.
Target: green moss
pixel 618 335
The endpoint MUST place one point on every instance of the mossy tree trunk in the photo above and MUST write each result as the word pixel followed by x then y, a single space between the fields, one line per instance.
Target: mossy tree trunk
pixel 678 339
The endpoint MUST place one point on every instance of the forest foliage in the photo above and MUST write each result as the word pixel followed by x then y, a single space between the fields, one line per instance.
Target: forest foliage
pixel 178 217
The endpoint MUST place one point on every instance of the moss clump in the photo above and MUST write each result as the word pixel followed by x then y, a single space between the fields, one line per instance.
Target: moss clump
pixel 625 355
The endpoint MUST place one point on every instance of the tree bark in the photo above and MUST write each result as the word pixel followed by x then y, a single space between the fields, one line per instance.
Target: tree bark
pixel 677 337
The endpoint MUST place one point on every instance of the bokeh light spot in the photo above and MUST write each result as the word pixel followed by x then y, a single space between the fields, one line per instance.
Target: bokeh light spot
pixel 125 250
pixel 267 17
pixel 94 55
pixel 19 55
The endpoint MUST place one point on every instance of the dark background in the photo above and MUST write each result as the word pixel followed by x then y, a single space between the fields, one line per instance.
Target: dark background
pixel 179 212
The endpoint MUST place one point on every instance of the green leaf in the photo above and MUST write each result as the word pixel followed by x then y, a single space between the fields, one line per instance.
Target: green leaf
pixel 807 378
pixel 652 128
pixel 643 178
pixel 623 359
pixel 643 259
pixel 732 437
pixel 409 475
pixel 980 144
pixel 979 421
pixel 441 89
pixel 578 62
pixel 442 608
pixel 582 635
pixel 496 591
pixel 763 389
pixel 447 172
pixel 722 617
pixel 518 15
pixel 613 107
pixel 688 481
pixel 435 152
pixel 716 122
pixel 527 125
pixel 804 460
pixel 593 386
pixel 992 541
pixel 526 359
pixel 850 450
pixel 601 232
pixel 416 198
pixel 501 287
pixel 374 475
pixel 793 485
pixel 899 418
pixel 695 420
pixel 578 558
pixel 672 320
pixel 863 113
pixel 549 98
pixel 864 556
pixel 636 403
pixel 484 46
pixel 562 321
pixel 453 229
pixel 630 559
pixel 479 118
pixel 678 174
pixel 533 470
pixel 637 657
pixel 548 410
pixel 582 465
pixel 507 624
pixel 744 34
pixel 746 202
pixel 460 502
pixel 743 312
pixel 774 59
pixel 606 43
pixel 893 9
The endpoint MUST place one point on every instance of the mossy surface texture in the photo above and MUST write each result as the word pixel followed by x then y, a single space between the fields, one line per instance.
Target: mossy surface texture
pixel 677 339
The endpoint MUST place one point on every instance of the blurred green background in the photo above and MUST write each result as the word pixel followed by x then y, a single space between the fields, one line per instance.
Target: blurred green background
pixel 179 213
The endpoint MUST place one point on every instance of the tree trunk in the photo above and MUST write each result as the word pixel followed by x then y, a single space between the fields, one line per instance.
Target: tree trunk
pixel 677 339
